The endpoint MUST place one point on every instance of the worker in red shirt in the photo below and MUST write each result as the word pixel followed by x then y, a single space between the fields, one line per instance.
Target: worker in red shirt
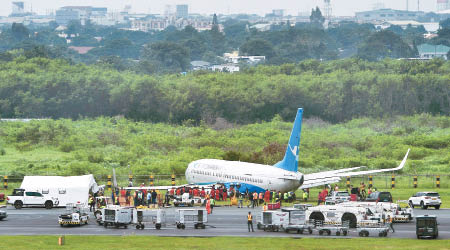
pixel 172 192
pixel 178 191
pixel 203 193
pixel 213 193
pixel 217 196
pixel 267 196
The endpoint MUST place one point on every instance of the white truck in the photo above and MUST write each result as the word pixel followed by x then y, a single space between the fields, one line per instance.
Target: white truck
pixel 21 197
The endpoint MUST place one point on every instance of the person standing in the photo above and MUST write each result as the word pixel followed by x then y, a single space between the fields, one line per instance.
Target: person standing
pixel 390 221
pixel 250 221
pixel 212 203
pixel 91 203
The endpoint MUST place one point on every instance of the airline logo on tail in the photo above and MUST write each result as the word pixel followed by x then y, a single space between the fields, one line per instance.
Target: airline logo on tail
pixel 294 151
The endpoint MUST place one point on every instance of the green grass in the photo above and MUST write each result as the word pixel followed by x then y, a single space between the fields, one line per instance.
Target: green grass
pixel 152 242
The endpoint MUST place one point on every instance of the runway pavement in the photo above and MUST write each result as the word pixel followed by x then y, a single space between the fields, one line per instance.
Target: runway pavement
pixel 224 221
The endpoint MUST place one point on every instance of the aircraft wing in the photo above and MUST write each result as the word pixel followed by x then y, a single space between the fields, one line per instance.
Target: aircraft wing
pixel 322 178
pixel 168 187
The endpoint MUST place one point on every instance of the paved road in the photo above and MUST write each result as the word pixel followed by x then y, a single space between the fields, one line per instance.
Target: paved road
pixel 224 221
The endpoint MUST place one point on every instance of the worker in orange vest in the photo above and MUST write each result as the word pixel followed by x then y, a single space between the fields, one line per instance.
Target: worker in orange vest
pixel 250 221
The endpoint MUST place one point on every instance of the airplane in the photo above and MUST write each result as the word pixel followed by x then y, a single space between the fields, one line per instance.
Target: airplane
pixel 283 176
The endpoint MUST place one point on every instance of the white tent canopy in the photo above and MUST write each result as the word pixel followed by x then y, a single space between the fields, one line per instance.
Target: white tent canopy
pixel 68 189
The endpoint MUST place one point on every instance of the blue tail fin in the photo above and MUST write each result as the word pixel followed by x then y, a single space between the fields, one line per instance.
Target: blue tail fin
pixel 290 160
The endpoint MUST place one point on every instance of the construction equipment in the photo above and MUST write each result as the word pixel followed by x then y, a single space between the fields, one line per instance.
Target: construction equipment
pixel 143 217
pixel 197 217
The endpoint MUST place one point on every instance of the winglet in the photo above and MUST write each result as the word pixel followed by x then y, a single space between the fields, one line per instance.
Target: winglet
pixel 402 164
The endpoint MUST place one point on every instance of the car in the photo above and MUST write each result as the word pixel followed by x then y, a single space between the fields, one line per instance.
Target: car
pixel 338 197
pixel 427 226
pixel 425 200
pixel 379 197
pixel 3 214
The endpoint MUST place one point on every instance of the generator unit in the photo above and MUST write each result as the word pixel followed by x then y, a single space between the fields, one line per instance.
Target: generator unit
pixel 117 216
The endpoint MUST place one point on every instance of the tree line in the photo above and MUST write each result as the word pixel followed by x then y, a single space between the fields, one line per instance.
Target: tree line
pixel 172 50
pixel 334 91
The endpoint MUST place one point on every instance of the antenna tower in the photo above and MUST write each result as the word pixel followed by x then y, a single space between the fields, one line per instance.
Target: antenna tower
pixel 327 9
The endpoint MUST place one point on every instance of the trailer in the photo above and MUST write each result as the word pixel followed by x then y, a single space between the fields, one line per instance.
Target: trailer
pixel 378 228
pixel 117 216
pixel 143 217
pixel 197 217
pixel 380 210
pixel 328 228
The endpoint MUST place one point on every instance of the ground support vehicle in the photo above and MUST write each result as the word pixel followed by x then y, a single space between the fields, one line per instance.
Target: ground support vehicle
pixel 337 214
pixel 197 217
pixel 186 201
pixel 366 228
pixel 100 203
pixel 297 222
pixel 76 215
pixel 425 200
pixel 328 228
pixel 381 210
pixel 337 197
pixel 21 197
pixel 3 214
pixel 274 221
pixel 117 216
pixel 147 217
pixel 427 227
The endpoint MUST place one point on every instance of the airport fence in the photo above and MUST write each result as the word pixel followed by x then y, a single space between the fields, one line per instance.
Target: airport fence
pixel 380 181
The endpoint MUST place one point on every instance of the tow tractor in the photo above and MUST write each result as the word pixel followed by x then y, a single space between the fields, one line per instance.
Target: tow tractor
pixel 76 215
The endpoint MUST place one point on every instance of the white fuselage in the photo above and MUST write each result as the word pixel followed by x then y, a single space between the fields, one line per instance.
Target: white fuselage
pixel 251 176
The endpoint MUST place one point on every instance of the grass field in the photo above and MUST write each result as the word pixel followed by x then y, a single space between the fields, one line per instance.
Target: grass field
pixel 152 242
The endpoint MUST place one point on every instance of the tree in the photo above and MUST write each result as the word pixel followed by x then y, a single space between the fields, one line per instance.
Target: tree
pixel 167 56
pixel 19 31
pixel 316 17
pixel 384 44
pixel 257 47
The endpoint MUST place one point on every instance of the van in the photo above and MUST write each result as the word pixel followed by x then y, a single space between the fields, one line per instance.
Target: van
pixel 379 197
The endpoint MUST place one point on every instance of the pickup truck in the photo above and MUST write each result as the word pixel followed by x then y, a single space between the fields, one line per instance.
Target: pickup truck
pixel 22 197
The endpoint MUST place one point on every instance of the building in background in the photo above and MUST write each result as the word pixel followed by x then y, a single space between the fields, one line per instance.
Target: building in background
pixel 442 5
pixel 429 51
pixel 182 11
pixel 388 15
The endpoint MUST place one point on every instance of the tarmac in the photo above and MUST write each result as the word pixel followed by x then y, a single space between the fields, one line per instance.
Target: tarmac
pixel 224 221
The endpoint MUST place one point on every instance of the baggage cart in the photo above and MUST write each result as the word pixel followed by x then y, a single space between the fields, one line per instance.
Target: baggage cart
pixel 369 228
pixel 328 228
pixel 149 217
pixel 197 217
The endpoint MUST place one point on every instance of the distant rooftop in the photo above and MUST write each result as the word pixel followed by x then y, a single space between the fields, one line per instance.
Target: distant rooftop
pixel 430 48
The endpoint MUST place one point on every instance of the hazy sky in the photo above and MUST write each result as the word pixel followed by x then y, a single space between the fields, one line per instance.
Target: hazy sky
pixel 340 7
